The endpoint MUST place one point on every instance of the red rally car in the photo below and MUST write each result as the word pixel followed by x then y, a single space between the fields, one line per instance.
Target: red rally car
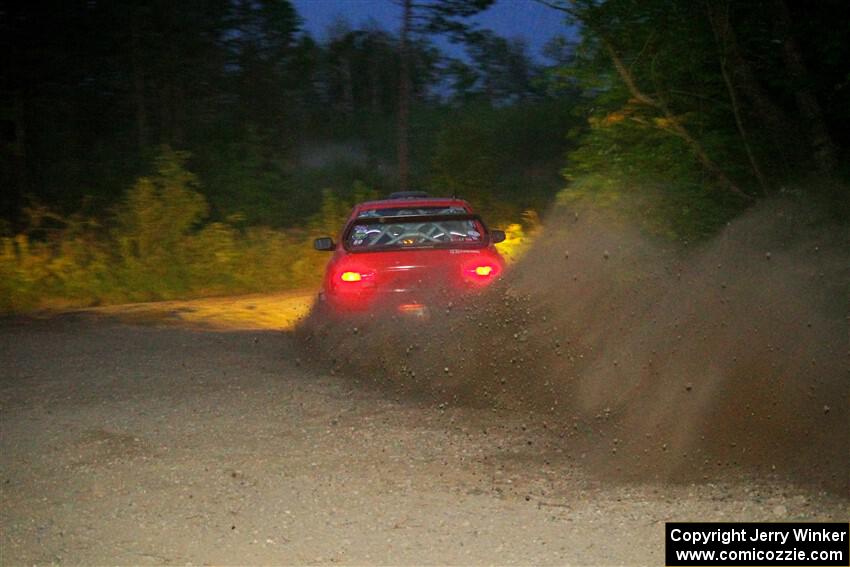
pixel 406 253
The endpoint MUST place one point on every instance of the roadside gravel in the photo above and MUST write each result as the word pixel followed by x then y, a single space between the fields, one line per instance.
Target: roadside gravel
pixel 148 445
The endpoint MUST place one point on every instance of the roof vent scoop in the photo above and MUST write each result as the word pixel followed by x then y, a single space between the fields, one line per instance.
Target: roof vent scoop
pixel 408 195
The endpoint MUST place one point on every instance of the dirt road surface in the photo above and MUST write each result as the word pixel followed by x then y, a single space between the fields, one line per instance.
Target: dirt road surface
pixel 126 444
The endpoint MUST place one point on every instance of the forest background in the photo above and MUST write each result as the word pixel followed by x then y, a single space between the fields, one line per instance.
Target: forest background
pixel 156 150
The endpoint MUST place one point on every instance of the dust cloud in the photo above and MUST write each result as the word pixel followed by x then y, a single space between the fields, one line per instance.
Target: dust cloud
pixel 649 362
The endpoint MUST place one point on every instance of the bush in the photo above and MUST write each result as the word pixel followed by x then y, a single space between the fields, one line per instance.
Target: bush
pixel 648 175
pixel 158 245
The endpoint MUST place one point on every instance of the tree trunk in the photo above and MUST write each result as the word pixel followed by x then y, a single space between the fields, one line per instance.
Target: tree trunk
pixel 719 20
pixel 374 84
pixel 139 99
pixel 19 151
pixel 178 115
pixel 404 100
pixel 347 85
pixel 676 126
pixel 744 78
pixel 165 118
pixel 823 148
pixel 19 74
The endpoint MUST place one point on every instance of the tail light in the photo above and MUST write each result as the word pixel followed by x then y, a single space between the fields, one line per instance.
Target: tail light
pixel 481 273
pixel 354 278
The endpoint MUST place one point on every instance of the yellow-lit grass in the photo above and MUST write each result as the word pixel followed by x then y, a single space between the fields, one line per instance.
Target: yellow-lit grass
pixel 278 311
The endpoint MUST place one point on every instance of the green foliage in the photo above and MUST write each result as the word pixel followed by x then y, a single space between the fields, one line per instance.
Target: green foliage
pixel 241 177
pixel 56 257
pixel 240 86
pixel 287 132
pixel 335 209
pixel 690 105
pixel 683 213
pixel 503 159
pixel 152 225
pixel 159 246
pixel 648 173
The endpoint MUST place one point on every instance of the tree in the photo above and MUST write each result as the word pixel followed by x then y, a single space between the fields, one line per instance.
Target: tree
pixel 501 72
pixel 698 109
pixel 438 16
pixel 823 148
pixel 616 31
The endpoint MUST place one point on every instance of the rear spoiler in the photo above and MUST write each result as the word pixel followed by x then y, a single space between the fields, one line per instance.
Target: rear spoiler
pixel 416 218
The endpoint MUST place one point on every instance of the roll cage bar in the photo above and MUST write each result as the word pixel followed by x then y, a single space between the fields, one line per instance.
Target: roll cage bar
pixel 408 219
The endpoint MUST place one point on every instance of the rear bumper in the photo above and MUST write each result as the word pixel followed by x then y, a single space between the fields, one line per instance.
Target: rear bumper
pixel 417 303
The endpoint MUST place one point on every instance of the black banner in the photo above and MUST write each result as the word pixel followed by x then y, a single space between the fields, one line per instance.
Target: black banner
pixel 728 543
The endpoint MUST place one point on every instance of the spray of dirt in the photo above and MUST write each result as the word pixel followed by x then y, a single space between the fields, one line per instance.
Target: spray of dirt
pixel 649 361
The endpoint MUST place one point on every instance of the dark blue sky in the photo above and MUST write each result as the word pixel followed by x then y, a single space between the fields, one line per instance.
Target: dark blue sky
pixel 528 19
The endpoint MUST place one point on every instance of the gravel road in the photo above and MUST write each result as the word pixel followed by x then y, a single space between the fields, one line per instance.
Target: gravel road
pixel 127 444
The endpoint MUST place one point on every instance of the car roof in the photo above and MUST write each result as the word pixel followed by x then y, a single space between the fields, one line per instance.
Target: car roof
pixel 412 203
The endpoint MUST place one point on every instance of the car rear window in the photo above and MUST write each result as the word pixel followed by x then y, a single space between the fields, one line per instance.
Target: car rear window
pixel 415 233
